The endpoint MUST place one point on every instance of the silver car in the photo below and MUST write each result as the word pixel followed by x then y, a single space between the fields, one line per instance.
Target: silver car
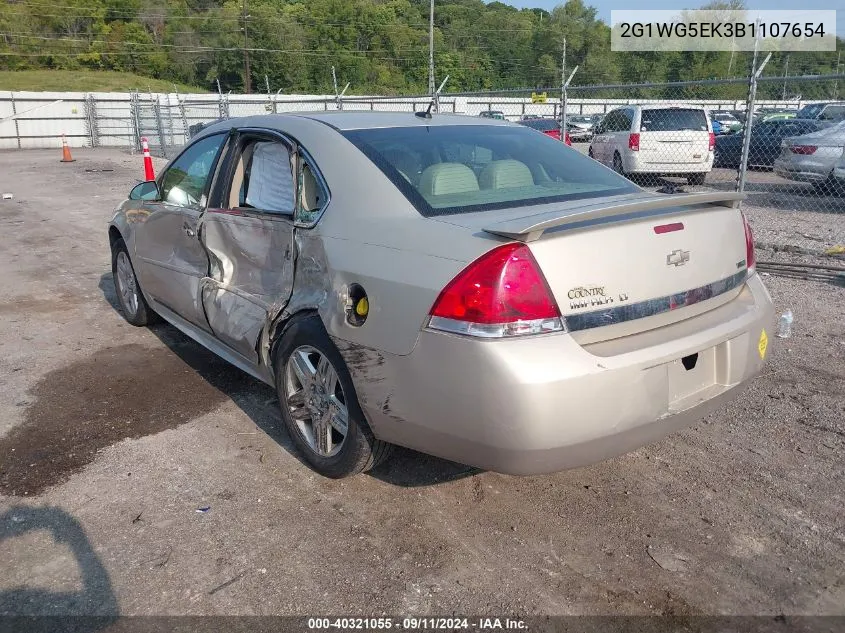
pixel 461 286
pixel 810 157
pixel 839 171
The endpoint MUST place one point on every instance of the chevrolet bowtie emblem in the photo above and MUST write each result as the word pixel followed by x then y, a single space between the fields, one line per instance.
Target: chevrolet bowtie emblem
pixel 677 258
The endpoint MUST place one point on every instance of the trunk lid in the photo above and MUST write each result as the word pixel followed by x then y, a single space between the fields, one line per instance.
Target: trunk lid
pixel 633 259
pixel 674 148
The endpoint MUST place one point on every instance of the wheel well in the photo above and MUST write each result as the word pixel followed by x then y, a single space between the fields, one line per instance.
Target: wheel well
pixel 282 323
pixel 114 236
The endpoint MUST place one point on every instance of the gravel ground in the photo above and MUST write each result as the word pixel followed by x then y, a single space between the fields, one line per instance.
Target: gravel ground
pixel 113 437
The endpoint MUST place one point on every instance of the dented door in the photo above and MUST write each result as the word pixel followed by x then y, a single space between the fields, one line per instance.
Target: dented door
pixel 249 241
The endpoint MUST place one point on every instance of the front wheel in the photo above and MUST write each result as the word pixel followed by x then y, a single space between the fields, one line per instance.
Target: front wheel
pixel 135 308
pixel 319 405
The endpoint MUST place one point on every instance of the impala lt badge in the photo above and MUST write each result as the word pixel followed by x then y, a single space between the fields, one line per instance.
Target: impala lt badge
pixel 677 258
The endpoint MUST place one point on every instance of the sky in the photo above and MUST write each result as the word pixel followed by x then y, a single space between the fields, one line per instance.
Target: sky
pixel 606 6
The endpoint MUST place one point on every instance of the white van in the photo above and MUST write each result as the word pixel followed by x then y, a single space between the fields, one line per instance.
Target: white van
pixel 656 139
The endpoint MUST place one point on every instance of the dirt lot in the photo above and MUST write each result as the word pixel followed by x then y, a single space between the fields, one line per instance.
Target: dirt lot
pixel 112 438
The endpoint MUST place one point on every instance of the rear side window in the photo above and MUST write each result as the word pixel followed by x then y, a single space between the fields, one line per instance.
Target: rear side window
pixel 673 120
pixel 448 169
pixel 617 121
pixel 833 113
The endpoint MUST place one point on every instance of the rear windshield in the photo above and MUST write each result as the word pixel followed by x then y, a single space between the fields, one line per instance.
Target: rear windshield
pixel 544 125
pixel 447 169
pixel 673 120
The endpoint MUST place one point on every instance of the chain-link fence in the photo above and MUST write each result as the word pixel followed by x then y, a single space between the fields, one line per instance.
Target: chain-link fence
pixel 781 141
pixel 694 136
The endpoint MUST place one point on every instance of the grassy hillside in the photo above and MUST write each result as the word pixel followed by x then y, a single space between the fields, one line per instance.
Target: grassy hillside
pixel 85 81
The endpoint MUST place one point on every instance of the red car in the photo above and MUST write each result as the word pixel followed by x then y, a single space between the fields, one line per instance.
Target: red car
pixel 549 127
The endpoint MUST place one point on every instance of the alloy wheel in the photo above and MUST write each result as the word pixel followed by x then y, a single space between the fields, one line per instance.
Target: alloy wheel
pixel 126 285
pixel 315 400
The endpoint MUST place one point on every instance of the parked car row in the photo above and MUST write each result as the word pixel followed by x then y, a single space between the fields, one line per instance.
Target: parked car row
pixel 765 146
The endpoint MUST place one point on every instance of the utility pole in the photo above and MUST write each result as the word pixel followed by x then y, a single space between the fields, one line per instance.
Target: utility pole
pixel 563 92
pixel 785 75
pixel 836 83
pixel 431 89
pixel 247 77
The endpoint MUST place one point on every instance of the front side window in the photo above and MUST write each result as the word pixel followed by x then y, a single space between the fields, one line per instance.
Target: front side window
pixel 833 113
pixel 263 178
pixel 447 169
pixel 185 181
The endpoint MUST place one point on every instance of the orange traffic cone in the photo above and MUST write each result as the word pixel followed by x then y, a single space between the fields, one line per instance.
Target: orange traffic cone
pixel 149 174
pixel 66 157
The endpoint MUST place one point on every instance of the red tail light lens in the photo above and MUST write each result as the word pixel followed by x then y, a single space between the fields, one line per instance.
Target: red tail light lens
pixel 502 293
pixel 634 142
pixel 803 149
pixel 712 145
pixel 555 134
pixel 568 140
pixel 750 256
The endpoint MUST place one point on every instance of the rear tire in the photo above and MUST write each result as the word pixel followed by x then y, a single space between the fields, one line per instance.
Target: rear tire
pixel 135 308
pixel 319 405
pixel 696 179
pixel 590 153
pixel 830 186
pixel 617 165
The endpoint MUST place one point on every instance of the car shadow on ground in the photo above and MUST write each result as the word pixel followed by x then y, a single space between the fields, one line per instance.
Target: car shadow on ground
pixel 405 468
pixel 30 608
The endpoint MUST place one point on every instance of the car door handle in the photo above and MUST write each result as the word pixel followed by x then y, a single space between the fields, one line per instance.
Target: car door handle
pixel 189 231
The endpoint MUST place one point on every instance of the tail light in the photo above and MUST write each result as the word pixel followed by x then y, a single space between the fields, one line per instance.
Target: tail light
pixel 555 134
pixel 803 149
pixel 502 293
pixel 634 142
pixel 567 140
pixel 712 144
pixel 750 257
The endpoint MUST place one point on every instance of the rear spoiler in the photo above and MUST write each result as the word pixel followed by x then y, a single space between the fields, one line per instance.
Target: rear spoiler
pixel 531 227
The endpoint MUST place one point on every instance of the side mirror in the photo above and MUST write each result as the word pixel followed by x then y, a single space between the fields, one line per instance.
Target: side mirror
pixel 145 191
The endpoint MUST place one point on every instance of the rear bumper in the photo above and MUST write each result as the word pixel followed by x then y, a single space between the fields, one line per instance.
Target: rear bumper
pixel 544 404
pixel 805 171
pixel 639 164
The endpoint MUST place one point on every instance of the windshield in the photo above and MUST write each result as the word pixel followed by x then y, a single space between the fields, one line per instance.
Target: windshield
pixel 448 169
pixel 673 120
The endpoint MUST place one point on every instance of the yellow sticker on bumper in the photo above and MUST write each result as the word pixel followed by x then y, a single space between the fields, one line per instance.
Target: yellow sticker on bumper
pixel 763 344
